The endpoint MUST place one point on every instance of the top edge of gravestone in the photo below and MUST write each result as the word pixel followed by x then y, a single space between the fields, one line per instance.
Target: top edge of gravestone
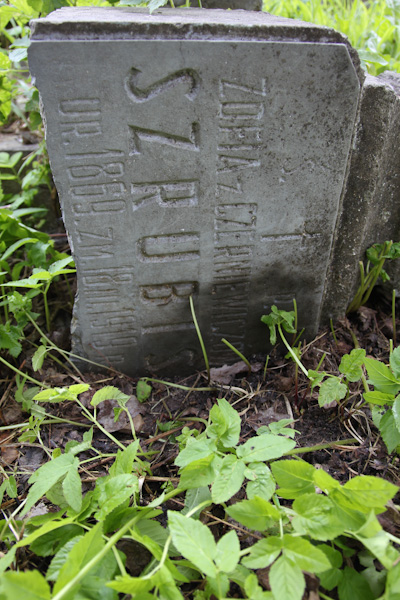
pixel 108 23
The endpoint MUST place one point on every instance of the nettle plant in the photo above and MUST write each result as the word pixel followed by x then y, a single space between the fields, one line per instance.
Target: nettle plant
pixel 305 523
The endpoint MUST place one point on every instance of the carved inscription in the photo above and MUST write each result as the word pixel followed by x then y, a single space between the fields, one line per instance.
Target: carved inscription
pixel 166 194
pixel 79 118
pixel 241 109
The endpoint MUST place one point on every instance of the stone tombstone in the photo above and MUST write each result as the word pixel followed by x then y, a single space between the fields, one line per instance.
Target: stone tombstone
pixel 196 153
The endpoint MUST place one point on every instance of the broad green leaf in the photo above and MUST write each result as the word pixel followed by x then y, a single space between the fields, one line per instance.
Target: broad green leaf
pixel 72 487
pixel 113 491
pixel 381 377
pixel 60 558
pixel 380 547
pixel 370 492
pixel 256 513
pixel 228 480
pixel 62 394
pixel 38 358
pixel 195 542
pixel 294 477
pixel 262 483
pixel 264 447
pixel 304 554
pixel 395 362
pixel 225 424
pixel 217 587
pixel 378 398
pixel 263 553
pixel 81 553
pixel 324 481
pixel 59 265
pixel 331 390
pixel 124 460
pixel 194 450
pixel 28 585
pixel 198 473
pixel 45 477
pixel 109 392
pixel 75 447
pixel 389 431
pixel 396 412
pixel 143 390
pixel 286 580
pixel 351 364
pixel 136 586
pixel 228 549
pixel 316 517
pixel 254 590
pixel 392 591
pixel 353 586
pixel 195 497
pixel 351 518
pixel 329 579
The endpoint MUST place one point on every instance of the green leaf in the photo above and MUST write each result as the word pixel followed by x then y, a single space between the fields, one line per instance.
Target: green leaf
pixel 81 553
pixel 195 497
pixel 228 480
pixel 136 586
pixel 124 460
pixel 29 585
pixel 381 377
pixel 306 556
pixel 72 487
pixel 389 431
pixel 225 424
pixel 329 579
pixel 392 591
pixel 378 398
pixel 198 473
pixel 370 492
pixel 38 358
pixel 264 447
pixel 353 586
pixel 256 513
pixel 194 541
pixel 109 392
pixel 194 450
pixel 395 362
pixel 316 517
pixel 262 483
pixel 113 491
pixel 331 390
pixel 254 590
pixel 45 477
pixel 351 364
pixel 286 580
pixel 294 477
pixel 396 412
pixel 143 390
pixel 324 481
pixel 228 552
pixel 263 553
pixel 60 558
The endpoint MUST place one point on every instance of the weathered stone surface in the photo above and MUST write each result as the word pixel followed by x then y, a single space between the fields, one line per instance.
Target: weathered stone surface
pixel 371 209
pixel 195 152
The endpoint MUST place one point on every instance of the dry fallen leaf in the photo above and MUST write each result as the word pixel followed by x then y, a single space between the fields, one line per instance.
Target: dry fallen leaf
pixel 225 374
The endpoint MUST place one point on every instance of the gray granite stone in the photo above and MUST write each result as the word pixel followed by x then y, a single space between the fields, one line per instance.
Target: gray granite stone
pixel 196 153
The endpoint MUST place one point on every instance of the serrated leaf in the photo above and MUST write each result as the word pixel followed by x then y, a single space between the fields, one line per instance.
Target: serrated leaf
pixel 72 487
pixel 60 558
pixel 113 491
pixel 389 431
pixel 255 514
pixel 228 479
pixel 324 481
pixel 264 447
pixel 194 541
pixel 262 483
pixel 396 412
pixel 353 586
pixel 137 587
pixel 195 450
pixel 45 477
pixel 331 390
pixel 109 392
pixel 193 498
pixel 263 553
pixel 286 580
pixel 395 362
pixel 198 473
pixel 304 554
pixel 124 460
pixel 316 516
pixel 82 552
pixel 378 398
pixel 30 585
pixel 225 424
pixel 294 477
pixel 370 492
pixel 228 552
pixel 351 364
pixel 381 377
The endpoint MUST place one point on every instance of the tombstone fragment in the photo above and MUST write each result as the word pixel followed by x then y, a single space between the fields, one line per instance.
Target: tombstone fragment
pixel 196 153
